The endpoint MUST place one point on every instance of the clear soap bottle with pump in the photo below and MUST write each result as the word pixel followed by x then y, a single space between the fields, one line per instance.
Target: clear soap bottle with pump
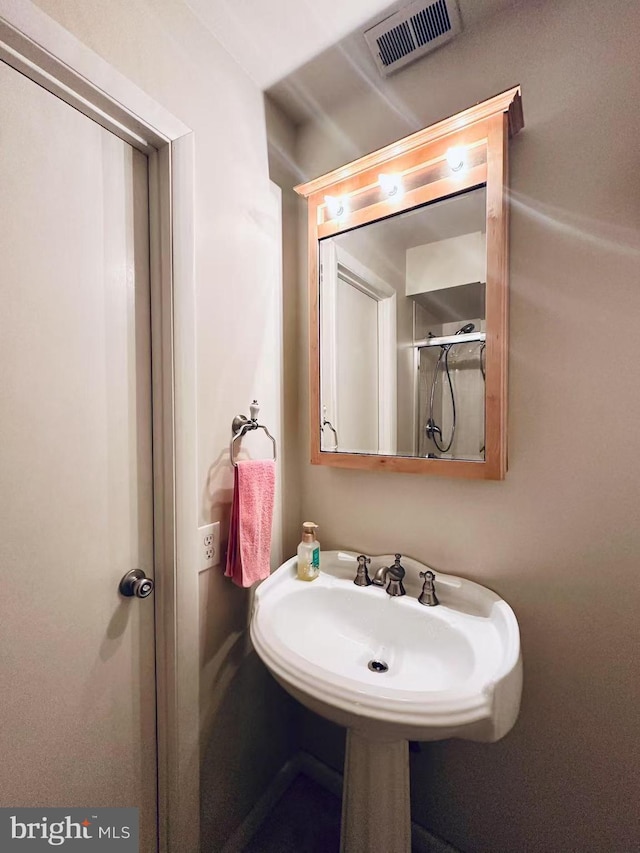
pixel 309 553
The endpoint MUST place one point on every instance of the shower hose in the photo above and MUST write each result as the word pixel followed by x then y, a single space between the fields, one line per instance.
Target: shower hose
pixel 432 429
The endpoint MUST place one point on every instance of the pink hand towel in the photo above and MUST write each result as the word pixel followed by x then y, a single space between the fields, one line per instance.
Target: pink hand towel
pixel 248 555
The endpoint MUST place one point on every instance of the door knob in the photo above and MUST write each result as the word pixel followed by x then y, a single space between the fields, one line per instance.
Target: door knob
pixel 136 583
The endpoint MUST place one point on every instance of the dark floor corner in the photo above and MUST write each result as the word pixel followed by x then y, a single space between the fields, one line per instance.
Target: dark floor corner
pixel 305 820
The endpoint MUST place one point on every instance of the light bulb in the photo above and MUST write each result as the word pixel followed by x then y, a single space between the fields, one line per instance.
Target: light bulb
pixel 337 207
pixel 455 158
pixel 391 184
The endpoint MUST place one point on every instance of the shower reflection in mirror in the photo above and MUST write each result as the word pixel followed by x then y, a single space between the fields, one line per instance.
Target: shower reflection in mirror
pixel 451 378
pixel 402 333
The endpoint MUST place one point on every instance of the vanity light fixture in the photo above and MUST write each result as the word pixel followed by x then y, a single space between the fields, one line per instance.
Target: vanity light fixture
pixel 455 158
pixel 391 184
pixel 337 207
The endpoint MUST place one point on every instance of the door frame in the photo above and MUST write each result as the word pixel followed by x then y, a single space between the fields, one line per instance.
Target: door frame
pixel 35 45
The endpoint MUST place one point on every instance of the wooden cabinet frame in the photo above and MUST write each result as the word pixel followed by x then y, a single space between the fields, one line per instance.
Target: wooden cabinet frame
pixel 483 131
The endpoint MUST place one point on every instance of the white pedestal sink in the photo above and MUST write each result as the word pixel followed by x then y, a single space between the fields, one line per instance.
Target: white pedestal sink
pixel 453 670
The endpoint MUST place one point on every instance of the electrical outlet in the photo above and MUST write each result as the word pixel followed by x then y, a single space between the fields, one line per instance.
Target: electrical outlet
pixel 208 546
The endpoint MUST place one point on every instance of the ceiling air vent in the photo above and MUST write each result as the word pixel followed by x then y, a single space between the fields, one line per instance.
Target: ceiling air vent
pixel 411 32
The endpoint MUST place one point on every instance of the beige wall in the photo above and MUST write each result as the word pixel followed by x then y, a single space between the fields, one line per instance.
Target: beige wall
pixel 559 538
pixel 446 263
pixel 160 46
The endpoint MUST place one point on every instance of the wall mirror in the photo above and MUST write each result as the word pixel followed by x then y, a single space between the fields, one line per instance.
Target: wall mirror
pixel 408 261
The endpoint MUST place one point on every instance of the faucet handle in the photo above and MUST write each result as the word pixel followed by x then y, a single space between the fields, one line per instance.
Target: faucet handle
pixel 428 595
pixel 362 577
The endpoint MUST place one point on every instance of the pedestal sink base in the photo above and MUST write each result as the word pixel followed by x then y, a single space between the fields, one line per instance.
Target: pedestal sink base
pixel 376 811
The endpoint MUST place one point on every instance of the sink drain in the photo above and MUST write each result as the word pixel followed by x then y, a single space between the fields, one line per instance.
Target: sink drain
pixel 377 666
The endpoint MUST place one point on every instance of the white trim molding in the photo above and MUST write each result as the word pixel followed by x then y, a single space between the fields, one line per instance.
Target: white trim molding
pixel 38 47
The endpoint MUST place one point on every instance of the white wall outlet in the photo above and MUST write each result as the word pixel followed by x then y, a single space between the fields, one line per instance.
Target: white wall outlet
pixel 208 546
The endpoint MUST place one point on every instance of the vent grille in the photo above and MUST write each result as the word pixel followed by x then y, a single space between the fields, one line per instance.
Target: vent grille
pixel 411 32
pixel 431 23
pixel 395 44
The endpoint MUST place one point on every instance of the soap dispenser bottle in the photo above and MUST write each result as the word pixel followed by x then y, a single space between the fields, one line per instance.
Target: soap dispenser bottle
pixel 309 553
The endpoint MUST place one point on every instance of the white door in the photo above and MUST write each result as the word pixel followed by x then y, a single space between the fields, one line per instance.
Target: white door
pixel 357 369
pixel 77 680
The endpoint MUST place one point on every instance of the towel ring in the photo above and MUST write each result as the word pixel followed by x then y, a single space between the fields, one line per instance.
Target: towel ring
pixel 241 425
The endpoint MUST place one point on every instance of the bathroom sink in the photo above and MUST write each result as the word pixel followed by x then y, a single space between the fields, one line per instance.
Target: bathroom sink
pixel 389 666
pixel 390 670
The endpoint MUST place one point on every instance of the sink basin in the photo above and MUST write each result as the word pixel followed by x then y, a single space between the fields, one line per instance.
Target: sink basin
pixel 453 670
pixel 390 670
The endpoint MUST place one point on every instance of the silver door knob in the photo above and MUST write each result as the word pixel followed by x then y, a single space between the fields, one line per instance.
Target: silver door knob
pixel 136 583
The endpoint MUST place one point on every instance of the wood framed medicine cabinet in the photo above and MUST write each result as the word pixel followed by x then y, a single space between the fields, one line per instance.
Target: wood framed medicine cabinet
pixel 414 237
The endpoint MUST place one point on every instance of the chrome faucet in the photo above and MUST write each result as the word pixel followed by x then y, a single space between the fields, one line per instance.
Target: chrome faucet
pixel 395 574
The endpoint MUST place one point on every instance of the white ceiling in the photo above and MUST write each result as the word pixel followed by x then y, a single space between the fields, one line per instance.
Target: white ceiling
pixel 272 38
pixel 310 55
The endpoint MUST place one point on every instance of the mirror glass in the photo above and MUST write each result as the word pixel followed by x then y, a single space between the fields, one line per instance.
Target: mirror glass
pixel 402 333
